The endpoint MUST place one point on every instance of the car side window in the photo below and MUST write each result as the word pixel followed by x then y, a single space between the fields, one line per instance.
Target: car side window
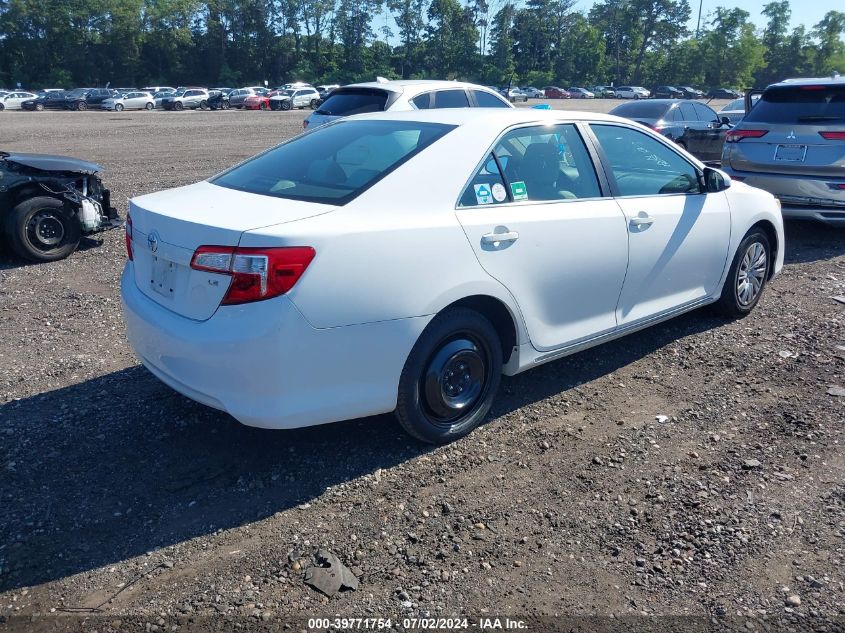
pixel 642 165
pixel 687 112
pixel 451 99
pixel 423 101
pixel 486 100
pixel 540 163
pixel 704 113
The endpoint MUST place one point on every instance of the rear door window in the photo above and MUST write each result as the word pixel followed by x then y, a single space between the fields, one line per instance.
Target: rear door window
pixel 423 101
pixel 451 99
pixel 800 104
pixel 704 113
pixel 688 112
pixel 486 100
pixel 349 101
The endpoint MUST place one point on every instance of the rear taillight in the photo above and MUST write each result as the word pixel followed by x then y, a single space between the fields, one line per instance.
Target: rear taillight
pixel 735 136
pixel 128 236
pixel 257 273
pixel 305 124
pixel 833 136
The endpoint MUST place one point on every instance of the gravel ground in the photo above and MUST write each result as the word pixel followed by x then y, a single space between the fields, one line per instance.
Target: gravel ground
pixel 695 468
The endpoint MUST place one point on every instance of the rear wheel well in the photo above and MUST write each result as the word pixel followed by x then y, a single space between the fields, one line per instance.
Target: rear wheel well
pixel 499 316
pixel 769 229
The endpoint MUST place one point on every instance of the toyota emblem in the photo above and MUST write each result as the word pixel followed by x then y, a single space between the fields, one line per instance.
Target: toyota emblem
pixel 152 241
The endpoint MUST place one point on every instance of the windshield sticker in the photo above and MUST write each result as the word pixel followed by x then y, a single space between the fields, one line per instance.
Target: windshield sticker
pixel 499 193
pixel 519 190
pixel 482 194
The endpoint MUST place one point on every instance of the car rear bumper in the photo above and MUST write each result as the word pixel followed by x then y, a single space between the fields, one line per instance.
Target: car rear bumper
pixel 801 197
pixel 265 365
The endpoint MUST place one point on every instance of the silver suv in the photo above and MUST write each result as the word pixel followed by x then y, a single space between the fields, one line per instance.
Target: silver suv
pixel 186 98
pixel 791 143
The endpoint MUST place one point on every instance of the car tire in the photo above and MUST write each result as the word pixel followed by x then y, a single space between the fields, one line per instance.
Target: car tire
pixel 178 106
pixel 262 106
pixel 39 107
pixel 81 106
pixel 286 105
pixel 149 106
pixel 314 103
pixel 433 405
pixel 747 276
pixel 41 230
pixel 203 105
pixel 118 107
pixel 2 107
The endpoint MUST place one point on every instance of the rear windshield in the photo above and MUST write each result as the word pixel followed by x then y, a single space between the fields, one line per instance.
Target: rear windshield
pixel 645 109
pixel 333 164
pixel 349 101
pixel 799 104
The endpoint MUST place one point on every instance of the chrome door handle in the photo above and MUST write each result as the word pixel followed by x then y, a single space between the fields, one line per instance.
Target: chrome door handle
pixel 496 238
pixel 641 221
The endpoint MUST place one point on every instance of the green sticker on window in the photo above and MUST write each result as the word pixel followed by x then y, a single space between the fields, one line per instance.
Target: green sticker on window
pixel 519 191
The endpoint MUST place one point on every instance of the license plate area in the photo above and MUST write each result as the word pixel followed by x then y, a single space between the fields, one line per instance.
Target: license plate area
pixel 791 153
pixel 163 276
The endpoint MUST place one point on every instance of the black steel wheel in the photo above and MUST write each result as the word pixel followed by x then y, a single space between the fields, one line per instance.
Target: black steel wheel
pixel 41 229
pixel 450 378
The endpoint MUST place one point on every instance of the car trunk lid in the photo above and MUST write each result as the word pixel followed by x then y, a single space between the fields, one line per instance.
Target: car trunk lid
pixel 169 226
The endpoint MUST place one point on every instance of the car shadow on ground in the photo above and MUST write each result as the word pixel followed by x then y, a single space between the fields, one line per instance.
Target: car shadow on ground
pixel 119 465
pixel 9 261
pixel 810 241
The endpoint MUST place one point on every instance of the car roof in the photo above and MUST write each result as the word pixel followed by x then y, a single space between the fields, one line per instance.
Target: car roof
pixel 488 116
pixel 401 85
pixel 834 80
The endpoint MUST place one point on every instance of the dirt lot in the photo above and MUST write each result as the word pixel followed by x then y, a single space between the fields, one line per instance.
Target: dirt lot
pixel 118 494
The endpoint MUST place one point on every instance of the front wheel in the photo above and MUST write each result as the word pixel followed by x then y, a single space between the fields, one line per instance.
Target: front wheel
pixel 178 106
pixel 450 378
pixel 40 230
pixel 314 103
pixel 39 107
pixel 118 107
pixel 81 106
pixel 747 276
pixel 262 106
pixel 149 106
pixel 286 104
pixel 203 105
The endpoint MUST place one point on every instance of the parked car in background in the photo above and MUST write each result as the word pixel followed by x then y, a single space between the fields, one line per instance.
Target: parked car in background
pixel 724 93
pixel 297 85
pixel 632 92
pixel 13 100
pixel 130 101
pixel 533 93
pixel 154 89
pixel 667 92
pixel 160 96
pixel 403 94
pixel 305 97
pixel 325 89
pixel 604 92
pixel 580 93
pixel 49 101
pixel 218 98
pixel 84 98
pixel 256 102
pixel 514 95
pixel 694 126
pixel 791 143
pixel 125 90
pixel 238 290
pixel 238 96
pixel 186 99
pixel 734 110
pixel 691 93
pixel 553 92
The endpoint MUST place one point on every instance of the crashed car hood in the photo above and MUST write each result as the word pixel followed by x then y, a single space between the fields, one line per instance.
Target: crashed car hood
pixel 46 162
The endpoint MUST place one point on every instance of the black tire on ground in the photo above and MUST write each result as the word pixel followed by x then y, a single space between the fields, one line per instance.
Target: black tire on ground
pixel 203 105
pixel 39 107
pixel 450 378
pixel 747 276
pixel 262 106
pixel 286 104
pixel 81 106
pixel 178 106
pixel 314 103
pixel 41 230
pixel 149 106
pixel 2 107
pixel 118 107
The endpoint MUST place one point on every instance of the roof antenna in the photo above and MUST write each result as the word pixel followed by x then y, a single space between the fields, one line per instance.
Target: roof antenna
pixel 381 80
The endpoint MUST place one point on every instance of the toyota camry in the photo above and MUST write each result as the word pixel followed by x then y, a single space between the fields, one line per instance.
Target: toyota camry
pixel 402 262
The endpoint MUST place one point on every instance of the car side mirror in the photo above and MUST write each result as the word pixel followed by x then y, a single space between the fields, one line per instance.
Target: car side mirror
pixel 715 180
pixel 725 121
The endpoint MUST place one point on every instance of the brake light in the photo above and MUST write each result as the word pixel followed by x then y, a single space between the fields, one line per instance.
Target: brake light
pixel 812 87
pixel 257 273
pixel 735 136
pixel 833 136
pixel 127 235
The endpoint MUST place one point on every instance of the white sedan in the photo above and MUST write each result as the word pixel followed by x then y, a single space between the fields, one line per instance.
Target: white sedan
pixel 632 92
pixel 13 100
pixel 403 261
pixel 130 101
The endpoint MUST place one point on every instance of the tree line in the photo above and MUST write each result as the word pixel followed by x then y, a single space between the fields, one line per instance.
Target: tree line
pixel 541 42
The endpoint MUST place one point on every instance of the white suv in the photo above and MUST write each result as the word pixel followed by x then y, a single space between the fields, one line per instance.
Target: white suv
pixel 378 96
pixel 307 97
